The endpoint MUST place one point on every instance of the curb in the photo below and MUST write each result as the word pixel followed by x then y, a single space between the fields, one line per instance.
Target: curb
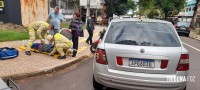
pixel 193 35
pixel 195 38
pixel 48 70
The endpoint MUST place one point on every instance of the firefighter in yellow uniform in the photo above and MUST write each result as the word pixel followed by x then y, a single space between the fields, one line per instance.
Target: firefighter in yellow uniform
pixel 39 27
pixel 61 44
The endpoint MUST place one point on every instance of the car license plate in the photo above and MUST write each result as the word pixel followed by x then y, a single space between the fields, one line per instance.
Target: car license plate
pixel 146 63
pixel 183 28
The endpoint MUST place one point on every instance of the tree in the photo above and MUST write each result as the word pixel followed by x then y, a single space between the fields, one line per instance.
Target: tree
pixel 165 8
pixel 131 5
pixel 148 8
pixel 194 14
pixel 118 7
pixel 76 4
pixel 170 7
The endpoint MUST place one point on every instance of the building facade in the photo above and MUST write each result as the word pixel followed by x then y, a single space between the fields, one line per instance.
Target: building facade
pixel 23 12
pixel 190 7
pixel 10 11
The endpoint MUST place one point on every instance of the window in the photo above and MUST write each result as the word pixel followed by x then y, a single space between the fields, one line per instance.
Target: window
pixel 1 3
pixel 142 34
pixel 189 8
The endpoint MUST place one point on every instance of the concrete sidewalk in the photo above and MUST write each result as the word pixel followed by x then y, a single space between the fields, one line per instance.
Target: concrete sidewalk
pixel 37 63
pixel 194 35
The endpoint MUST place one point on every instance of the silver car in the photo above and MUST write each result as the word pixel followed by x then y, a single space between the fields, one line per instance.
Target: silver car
pixel 140 54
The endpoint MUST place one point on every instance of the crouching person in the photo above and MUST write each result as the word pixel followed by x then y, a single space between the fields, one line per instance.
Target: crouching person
pixel 38 27
pixel 61 43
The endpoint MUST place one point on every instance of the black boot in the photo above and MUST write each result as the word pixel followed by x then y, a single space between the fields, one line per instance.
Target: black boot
pixel 74 53
pixel 28 53
pixel 62 57
pixel 87 42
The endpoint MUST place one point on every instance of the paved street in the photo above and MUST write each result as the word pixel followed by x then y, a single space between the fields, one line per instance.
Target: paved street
pixel 79 76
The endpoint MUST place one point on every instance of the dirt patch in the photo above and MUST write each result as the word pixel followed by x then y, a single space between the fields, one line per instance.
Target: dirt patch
pixel 10 26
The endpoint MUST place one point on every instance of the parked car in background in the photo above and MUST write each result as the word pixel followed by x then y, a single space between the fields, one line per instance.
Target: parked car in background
pixel 140 54
pixel 183 28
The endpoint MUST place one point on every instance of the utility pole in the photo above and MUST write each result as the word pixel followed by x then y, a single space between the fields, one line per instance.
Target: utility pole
pixel 88 10
pixel 59 3
pixel 67 7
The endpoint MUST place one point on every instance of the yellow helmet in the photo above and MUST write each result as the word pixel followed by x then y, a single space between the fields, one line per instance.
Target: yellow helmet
pixel 46 24
pixel 49 37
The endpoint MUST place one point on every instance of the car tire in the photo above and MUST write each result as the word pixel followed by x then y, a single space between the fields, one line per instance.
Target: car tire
pixel 96 85
pixel 187 35
pixel 93 48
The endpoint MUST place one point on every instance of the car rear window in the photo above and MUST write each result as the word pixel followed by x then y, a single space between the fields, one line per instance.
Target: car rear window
pixel 183 24
pixel 142 34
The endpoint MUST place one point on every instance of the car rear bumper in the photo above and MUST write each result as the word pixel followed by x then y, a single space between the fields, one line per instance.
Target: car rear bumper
pixel 183 31
pixel 130 80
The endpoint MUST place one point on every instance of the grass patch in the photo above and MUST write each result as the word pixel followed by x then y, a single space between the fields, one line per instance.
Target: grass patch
pixel 66 25
pixel 11 35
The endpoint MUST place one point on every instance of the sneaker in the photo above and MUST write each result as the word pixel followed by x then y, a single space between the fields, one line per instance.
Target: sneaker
pixel 87 42
pixel 74 53
pixel 28 53
pixel 62 57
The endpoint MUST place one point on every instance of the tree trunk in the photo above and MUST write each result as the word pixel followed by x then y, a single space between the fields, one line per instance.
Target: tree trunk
pixel 192 24
pixel 166 15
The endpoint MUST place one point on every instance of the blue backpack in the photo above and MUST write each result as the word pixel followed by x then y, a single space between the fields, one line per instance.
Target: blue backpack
pixel 8 53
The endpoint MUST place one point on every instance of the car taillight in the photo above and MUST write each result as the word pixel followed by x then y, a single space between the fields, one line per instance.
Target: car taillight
pixel 183 63
pixel 163 64
pixel 101 56
pixel 189 28
pixel 119 61
pixel 175 26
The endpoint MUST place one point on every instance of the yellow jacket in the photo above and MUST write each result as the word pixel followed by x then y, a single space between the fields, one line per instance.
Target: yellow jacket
pixel 59 38
pixel 61 42
pixel 39 26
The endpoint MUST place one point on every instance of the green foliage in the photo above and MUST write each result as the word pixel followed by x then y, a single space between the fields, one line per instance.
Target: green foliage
pixel 170 7
pixel 162 7
pixel 11 35
pixel 147 8
pixel 66 25
pixel 119 7
pixel 76 2
pixel 153 14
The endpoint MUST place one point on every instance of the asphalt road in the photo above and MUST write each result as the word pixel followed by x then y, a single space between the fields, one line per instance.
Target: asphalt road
pixel 79 76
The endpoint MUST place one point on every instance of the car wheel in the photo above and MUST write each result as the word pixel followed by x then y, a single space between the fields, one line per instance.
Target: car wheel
pixel 93 48
pixel 187 35
pixel 96 85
